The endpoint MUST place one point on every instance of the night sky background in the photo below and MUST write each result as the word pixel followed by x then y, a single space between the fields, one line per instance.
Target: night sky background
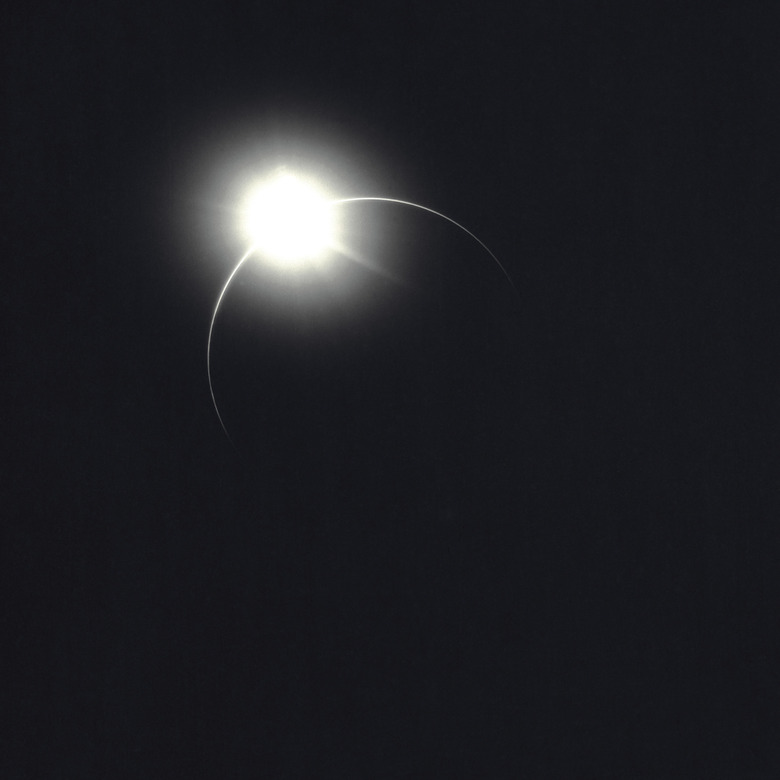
pixel 528 535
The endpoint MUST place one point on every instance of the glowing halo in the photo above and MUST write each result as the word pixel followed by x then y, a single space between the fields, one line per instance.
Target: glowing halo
pixel 253 249
pixel 288 220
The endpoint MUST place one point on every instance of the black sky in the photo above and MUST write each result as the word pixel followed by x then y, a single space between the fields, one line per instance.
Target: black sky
pixel 554 556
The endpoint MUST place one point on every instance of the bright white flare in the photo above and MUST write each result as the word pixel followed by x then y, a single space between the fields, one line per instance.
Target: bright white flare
pixel 288 221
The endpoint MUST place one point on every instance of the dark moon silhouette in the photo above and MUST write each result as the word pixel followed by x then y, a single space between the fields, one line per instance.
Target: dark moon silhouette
pixel 383 372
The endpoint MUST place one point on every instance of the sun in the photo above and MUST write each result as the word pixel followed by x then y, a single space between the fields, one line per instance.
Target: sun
pixel 289 221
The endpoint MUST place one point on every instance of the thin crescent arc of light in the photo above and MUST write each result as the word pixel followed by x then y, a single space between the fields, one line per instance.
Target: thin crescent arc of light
pixel 338 201
pixel 230 278
pixel 438 214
